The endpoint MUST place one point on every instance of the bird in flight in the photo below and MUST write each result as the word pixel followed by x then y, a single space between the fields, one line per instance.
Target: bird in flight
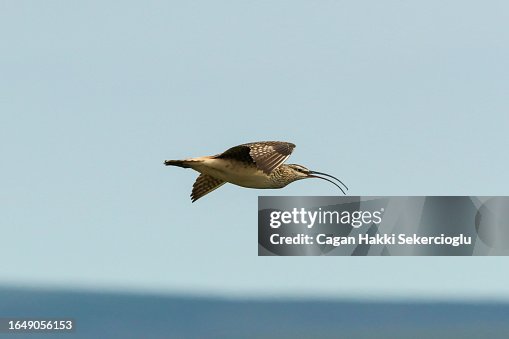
pixel 252 165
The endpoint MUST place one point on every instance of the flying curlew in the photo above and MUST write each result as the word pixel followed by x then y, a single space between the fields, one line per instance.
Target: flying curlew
pixel 252 165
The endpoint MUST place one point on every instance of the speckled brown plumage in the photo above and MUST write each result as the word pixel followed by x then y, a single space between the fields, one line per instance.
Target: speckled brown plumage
pixel 266 155
pixel 205 184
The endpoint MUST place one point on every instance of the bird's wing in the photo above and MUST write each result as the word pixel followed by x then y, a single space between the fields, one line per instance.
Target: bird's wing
pixel 270 155
pixel 205 184
pixel 238 153
pixel 267 155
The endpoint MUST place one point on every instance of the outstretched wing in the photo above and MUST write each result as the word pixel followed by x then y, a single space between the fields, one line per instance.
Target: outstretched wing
pixel 238 153
pixel 267 155
pixel 205 184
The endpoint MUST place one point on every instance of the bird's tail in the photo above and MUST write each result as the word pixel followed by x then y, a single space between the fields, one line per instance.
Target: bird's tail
pixel 187 163
pixel 179 163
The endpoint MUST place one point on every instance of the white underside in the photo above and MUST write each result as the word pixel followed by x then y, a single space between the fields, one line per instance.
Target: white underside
pixel 233 172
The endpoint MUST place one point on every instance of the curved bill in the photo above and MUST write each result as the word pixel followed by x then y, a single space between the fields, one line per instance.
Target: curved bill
pixel 328 175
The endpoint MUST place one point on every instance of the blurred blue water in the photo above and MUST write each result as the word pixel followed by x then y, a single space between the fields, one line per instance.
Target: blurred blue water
pixel 109 315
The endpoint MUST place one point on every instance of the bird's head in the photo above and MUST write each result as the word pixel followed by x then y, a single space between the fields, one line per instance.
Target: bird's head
pixel 299 172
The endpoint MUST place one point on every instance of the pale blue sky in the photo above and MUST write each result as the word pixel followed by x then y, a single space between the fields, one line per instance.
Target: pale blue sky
pixel 393 97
